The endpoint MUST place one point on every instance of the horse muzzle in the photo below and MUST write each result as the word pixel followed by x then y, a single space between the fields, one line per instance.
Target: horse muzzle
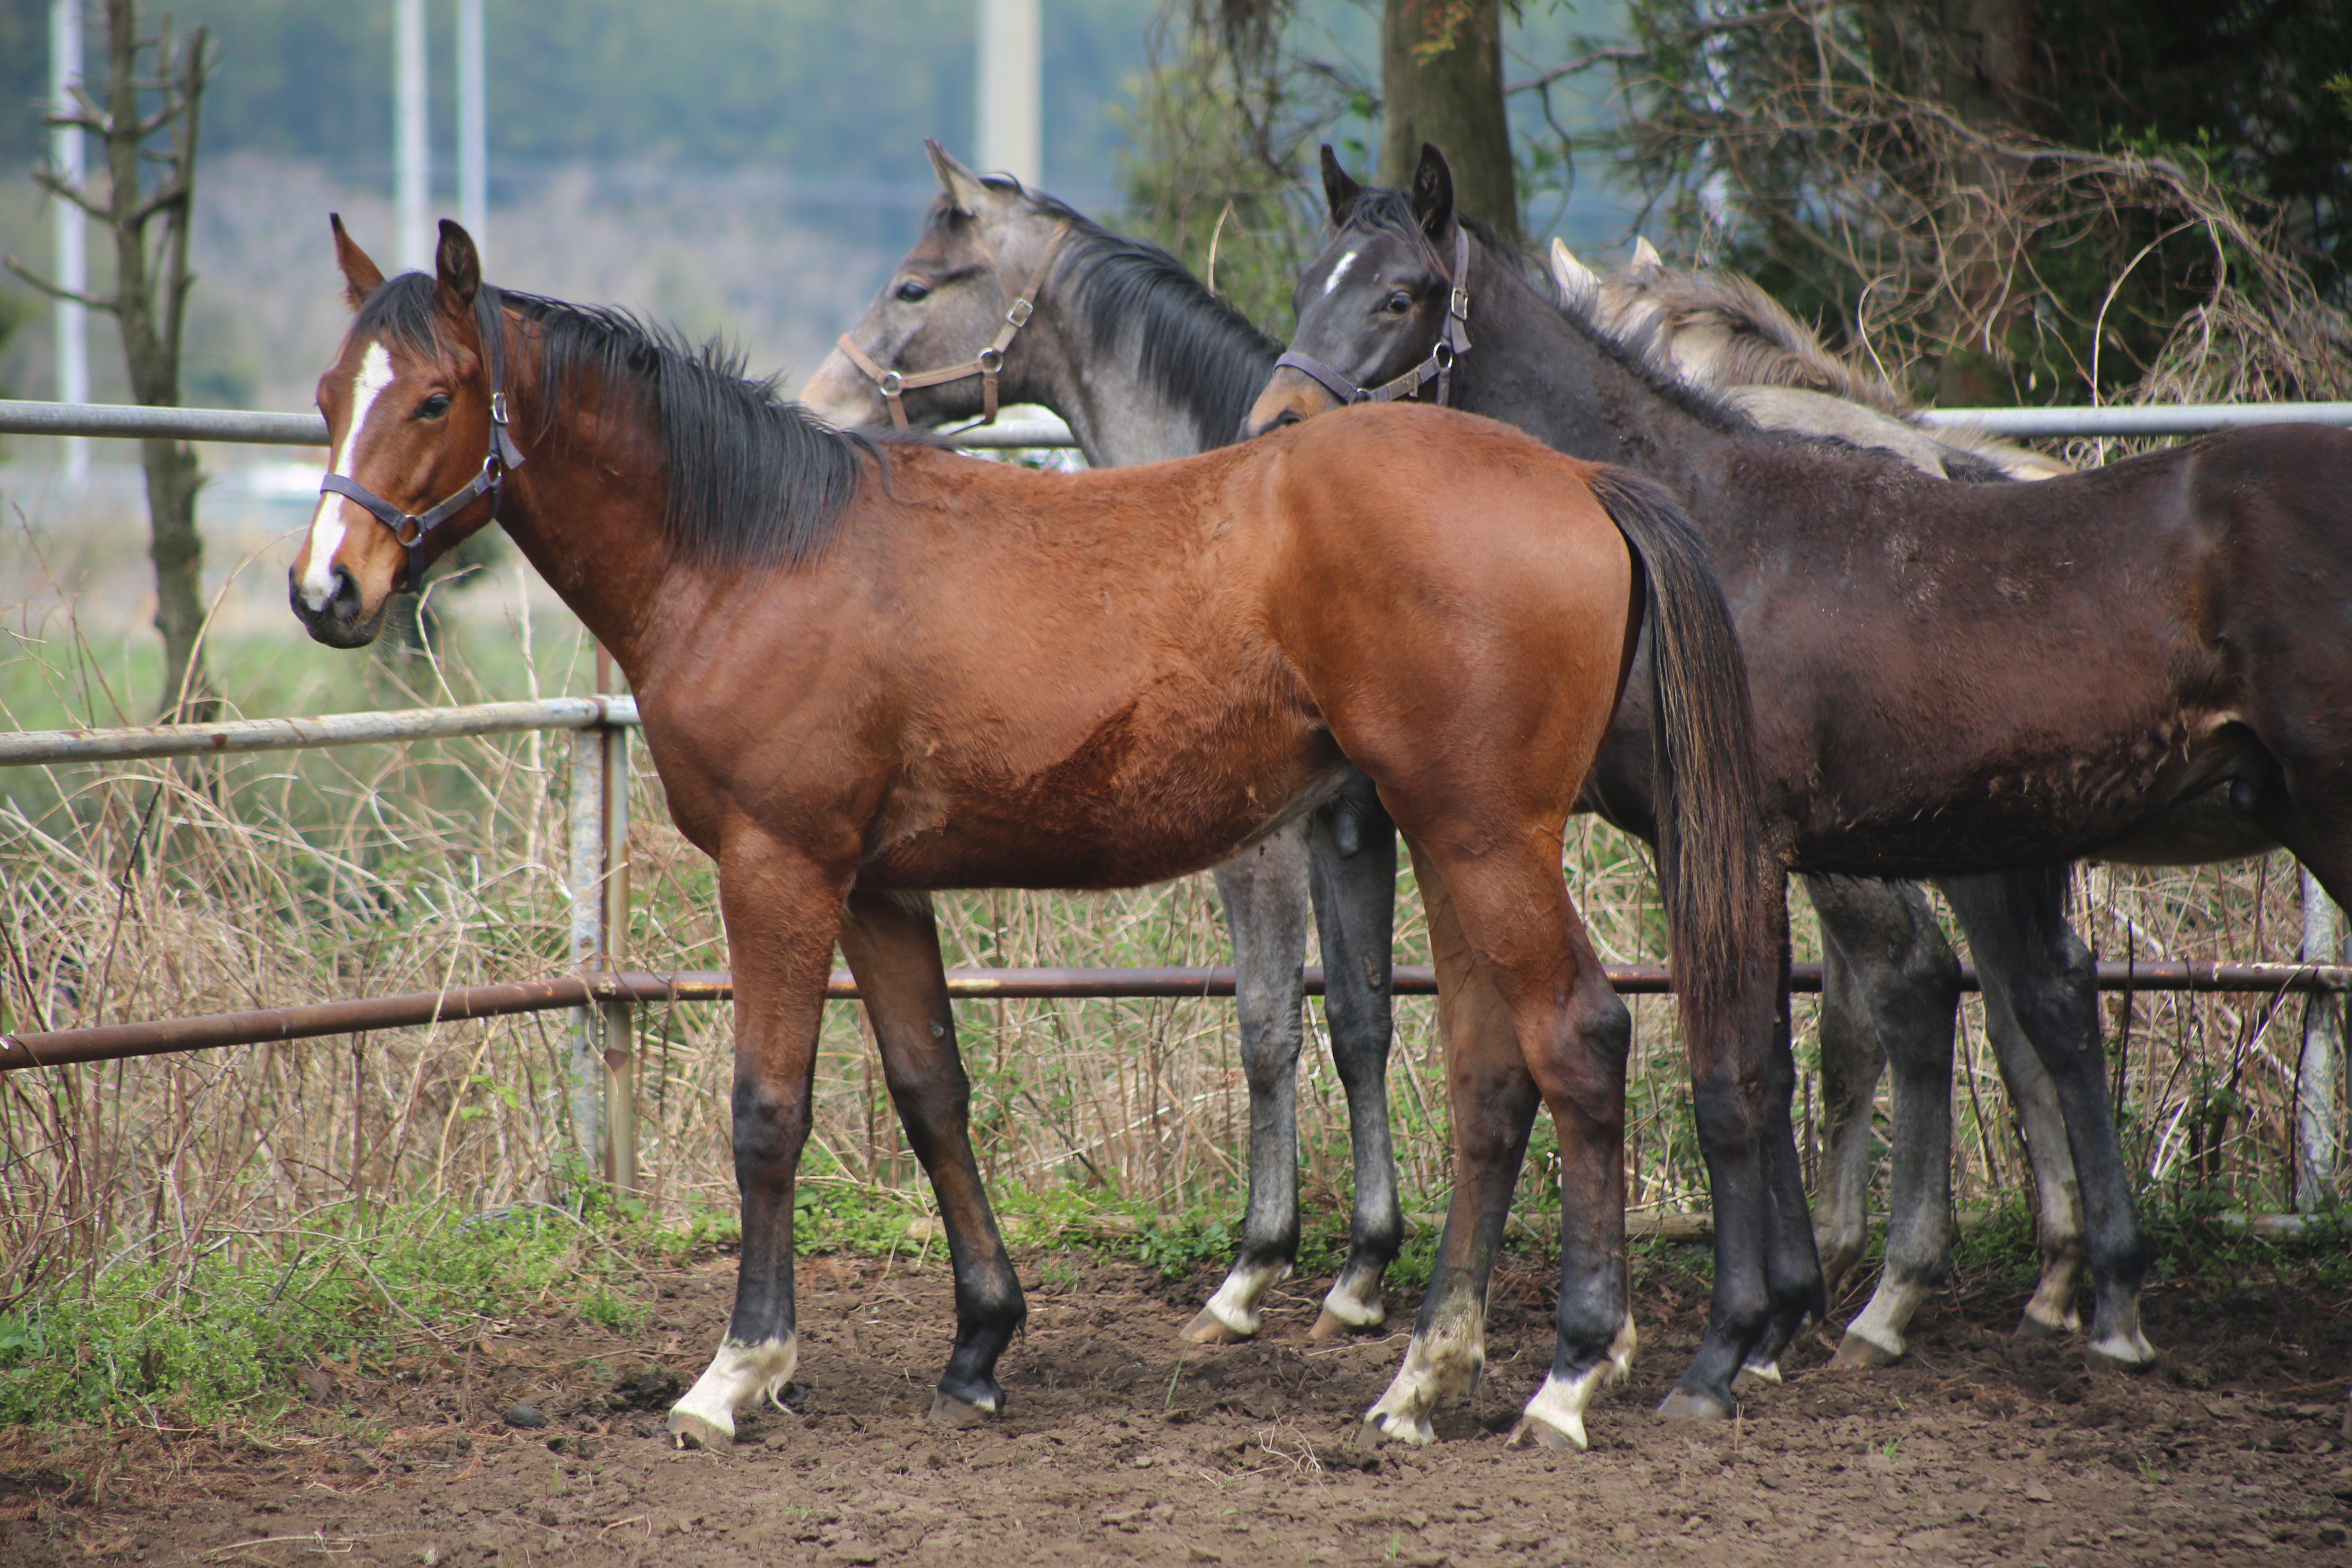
pixel 1290 397
pixel 339 622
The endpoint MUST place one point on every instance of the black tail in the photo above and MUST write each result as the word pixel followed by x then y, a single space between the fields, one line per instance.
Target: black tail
pixel 1714 870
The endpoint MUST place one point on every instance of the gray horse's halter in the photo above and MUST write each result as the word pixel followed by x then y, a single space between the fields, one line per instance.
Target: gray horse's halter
pixel 1452 343
pixel 504 457
pixel 984 365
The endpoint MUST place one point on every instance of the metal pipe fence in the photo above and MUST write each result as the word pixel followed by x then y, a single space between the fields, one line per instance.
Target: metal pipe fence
pixel 600 1063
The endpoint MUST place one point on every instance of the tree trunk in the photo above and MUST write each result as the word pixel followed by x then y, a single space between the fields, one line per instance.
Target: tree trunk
pixel 1442 82
pixel 1987 58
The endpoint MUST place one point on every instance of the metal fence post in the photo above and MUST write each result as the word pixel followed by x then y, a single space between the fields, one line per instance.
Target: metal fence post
pixel 2319 1080
pixel 585 1069
pixel 620 1038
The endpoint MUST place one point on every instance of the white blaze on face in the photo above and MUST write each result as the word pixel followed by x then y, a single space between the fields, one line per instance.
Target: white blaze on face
pixel 1339 270
pixel 327 523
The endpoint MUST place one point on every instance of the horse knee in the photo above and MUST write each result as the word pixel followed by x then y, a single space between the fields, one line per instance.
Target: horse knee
pixel 770 1127
pixel 1585 1074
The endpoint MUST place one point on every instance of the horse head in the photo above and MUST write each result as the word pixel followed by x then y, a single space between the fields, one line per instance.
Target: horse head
pixel 955 301
pixel 1381 299
pixel 412 408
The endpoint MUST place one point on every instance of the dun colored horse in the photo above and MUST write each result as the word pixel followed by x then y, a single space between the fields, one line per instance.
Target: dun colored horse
pixel 1976 682
pixel 867 671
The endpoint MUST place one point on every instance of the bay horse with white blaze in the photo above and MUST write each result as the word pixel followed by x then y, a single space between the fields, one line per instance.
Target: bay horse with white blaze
pixel 871 670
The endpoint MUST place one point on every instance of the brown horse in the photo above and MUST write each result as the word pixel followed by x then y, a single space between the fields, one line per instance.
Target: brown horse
pixel 870 671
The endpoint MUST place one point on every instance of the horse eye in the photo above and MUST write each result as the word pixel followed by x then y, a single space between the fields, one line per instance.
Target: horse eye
pixel 913 292
pixel 434 406
pixel 1398 304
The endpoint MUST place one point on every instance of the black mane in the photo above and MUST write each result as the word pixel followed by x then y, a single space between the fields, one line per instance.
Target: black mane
pixel 1194 349
pixel 754 478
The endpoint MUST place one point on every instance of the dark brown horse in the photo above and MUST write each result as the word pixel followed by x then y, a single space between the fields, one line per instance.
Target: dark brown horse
pixel 1952 680
pixel 870 671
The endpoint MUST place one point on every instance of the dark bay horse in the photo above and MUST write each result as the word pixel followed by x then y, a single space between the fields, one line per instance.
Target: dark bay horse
pixel 1976 682
pixel 867 671
pixel 1146 364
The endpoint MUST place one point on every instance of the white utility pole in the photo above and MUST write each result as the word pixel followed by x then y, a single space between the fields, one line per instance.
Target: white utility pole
pixel 72 254
pixel 473 136
pixel 412 151
pixel 1012 82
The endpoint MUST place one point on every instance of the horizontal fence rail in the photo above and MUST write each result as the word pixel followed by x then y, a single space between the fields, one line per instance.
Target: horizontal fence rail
pixel 252 427
pixel 115 1042
pixel 25 748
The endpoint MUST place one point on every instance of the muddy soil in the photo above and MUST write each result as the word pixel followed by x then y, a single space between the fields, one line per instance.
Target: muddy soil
pixel 1120 1444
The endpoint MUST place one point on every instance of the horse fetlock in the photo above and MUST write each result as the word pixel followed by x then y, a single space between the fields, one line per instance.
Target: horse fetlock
pixel 1353 1305
pixel 1442 1360
pixel 738 1375
pixel 1232 1314
pixel 1876 1338
pixel 2051 1311
pixel 1554 1418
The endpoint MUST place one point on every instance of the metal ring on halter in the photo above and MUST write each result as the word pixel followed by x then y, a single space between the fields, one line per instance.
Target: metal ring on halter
pixel 985 364
pixel 991 360
pixel 891 382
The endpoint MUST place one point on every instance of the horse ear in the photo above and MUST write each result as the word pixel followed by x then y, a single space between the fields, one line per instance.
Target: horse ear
pixel 1645 255
pixel 967 191
pixel 1339 192
pixel 458 266
pixel 1572 278
pixel 361 277
pixel 1433 192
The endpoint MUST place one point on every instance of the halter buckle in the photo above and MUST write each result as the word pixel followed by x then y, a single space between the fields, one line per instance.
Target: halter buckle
pixel 1019 315
pixel 1458 305
pixel 498 408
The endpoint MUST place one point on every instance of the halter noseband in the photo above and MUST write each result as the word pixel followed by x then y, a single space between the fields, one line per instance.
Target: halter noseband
pixel 984 365
pixel 1452 343
pixel 504 457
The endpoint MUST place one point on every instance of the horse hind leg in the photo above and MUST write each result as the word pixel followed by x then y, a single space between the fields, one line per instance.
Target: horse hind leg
pixel 2058 1195
pixel 1352 866
pixel 892 944
pixel 2030 961
pixel 1264 895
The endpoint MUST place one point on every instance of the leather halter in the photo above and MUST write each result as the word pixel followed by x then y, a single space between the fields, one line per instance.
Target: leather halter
pixel 1452 343
pixel 504 457
pixel 983 364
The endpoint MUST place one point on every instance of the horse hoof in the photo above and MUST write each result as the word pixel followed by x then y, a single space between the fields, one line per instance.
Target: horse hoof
pixel 2029 1327
pixel 950 1411
pixel 1331 1326
pixel 1208 1328
pixel 1371 1433
pixel 2128 1357
pixel 1704 1406
pixel 691 1431
pixel 1764 1374
pixel 1544 1435
pixel 1855 1351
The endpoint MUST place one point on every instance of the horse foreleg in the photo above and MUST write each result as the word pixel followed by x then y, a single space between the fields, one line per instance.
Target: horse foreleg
pixel 1493 1097
pixel 1351 860
pixel 781 914
pixel 2031 963
pixel 892 944
pixel 1264 895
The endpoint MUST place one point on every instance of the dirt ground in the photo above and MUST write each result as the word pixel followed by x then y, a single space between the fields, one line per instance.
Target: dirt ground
pixel 1120 1444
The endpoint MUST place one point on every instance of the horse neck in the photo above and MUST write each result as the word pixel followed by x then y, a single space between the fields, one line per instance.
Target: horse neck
pixel 587 510
pixel 1114 407
pixel 1531 367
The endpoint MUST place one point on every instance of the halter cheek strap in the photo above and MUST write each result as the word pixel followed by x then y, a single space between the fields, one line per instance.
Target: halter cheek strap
pixel 504 457
pixel 893 384
pixel 1452 343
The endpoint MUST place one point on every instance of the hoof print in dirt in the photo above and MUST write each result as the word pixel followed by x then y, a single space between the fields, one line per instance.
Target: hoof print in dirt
pixel 1682 1401
pixel 694 1432
pixel 651 1387
pixel 525 1417
pixel 947 1410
